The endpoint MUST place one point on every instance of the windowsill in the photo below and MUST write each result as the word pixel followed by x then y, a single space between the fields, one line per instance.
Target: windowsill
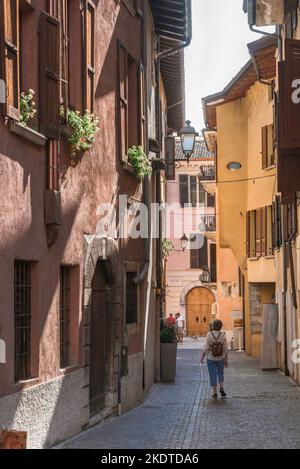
pixel 69 369
pixel 129 168
pixel 269 168
pixel 252 259
pixel 27 383
pixel 28 134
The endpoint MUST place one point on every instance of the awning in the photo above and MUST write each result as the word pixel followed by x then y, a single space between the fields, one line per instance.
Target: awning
pixel 172 18
pixel 173 24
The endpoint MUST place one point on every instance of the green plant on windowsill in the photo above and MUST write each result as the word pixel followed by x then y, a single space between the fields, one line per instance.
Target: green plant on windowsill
pixel 27 107
pixel 166 247
pixel 140 162
pixel 168 335
pixel 83 130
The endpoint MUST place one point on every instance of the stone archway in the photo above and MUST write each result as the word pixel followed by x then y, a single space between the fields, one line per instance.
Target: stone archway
pixel 104 251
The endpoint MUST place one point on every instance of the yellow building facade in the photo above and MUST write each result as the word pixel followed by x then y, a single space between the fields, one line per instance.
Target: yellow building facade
pixel 238 118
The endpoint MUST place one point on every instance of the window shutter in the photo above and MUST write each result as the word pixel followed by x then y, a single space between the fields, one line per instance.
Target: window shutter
pixel 248 234
pixel 203 255
pixel 264 231
pixel 10 45
pixel 123 95
pixel 193 191
pixel 194 258
pixel 258 230
pixel 184 189
pixel 264 152
pixel 269 238
pixel 89 55
pixel 252 234
pixel 271 145
pixel 170 158
pixel 290 118
pixel 50 79
pixel 202 193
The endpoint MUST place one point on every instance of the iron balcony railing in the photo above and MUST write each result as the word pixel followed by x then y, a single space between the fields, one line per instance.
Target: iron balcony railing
pixel 207 173
pixel 209 275
pixel 208 223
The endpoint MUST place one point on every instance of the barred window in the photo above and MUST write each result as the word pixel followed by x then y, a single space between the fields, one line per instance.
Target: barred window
pixel 22 319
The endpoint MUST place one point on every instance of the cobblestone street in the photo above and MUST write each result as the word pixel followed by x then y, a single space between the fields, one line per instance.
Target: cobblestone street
pixel 262 411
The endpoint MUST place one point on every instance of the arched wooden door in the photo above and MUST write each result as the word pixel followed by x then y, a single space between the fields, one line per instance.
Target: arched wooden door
pixel 199 306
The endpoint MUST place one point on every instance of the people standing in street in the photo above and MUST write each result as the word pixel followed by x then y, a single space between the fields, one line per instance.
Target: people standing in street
pixel 171 321
pixel 180 323
pixel 216 350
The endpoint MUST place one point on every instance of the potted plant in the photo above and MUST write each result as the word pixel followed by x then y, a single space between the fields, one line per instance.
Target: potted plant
pixel 140 162
pixel 80 130
pixel 168 354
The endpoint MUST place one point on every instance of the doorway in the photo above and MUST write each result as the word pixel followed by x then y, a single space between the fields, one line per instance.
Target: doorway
pixel 99 339
pixel 199 311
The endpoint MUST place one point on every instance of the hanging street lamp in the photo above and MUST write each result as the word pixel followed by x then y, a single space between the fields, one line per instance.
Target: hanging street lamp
pixel 184 242
pixel 188 137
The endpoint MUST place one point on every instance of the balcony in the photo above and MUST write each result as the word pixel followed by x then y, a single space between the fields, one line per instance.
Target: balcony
pixel 207 173
pixel 208 224
pixel 209 275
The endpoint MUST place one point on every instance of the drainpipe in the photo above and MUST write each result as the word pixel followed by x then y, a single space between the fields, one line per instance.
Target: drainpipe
pixel 286 368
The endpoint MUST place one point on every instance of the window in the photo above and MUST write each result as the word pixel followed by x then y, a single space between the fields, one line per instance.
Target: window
pixel 260 233
pixel 199 257
pixel 277 225
pixel 89 59
pixel 192 192
pixel 268 146
pixel 132 117
pixel 22 320
pixel 9 53
pixel 131 298
pixel 65 316
pixel 211 200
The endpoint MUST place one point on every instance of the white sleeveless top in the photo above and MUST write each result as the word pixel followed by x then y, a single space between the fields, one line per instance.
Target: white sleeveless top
pixel 211 337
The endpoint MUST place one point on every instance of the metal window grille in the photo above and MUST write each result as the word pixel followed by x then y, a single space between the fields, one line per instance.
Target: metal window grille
pixel 22 319
pixel 65 316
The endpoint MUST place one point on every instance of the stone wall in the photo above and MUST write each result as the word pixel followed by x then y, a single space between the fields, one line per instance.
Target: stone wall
pixel 49 412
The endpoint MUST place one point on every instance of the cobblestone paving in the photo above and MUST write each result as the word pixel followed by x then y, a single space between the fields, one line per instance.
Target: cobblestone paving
pixel 262 411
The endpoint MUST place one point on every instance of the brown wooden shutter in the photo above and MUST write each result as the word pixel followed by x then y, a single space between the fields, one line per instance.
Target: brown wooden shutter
pixel 10 45
pixel 269 238
pixel 264 151
pixel 50 79
pixel 142 107
pixel 290 121
pixel 252 234
pixel 264 231
pixel 248 234
pixel 258 231
pixel 203 255
pixel 170 158
pixel 194 258
pixel 271 145
pixel 193 190
pixel 184 189
pixel 89 55
pixel 123 98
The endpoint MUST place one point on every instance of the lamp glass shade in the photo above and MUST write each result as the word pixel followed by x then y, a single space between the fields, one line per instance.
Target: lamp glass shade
pixel 184 242
pixel 188 142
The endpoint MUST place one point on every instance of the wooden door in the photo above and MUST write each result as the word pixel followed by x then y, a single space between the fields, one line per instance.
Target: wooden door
pixel 98 351
pixel 199 306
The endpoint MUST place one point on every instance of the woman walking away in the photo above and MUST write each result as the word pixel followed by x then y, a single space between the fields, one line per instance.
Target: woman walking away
pixel 217 357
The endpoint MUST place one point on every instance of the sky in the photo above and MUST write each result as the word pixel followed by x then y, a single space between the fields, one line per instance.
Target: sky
pixel 217 53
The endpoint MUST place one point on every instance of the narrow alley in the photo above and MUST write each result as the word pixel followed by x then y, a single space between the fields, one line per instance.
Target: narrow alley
pixel 262 411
